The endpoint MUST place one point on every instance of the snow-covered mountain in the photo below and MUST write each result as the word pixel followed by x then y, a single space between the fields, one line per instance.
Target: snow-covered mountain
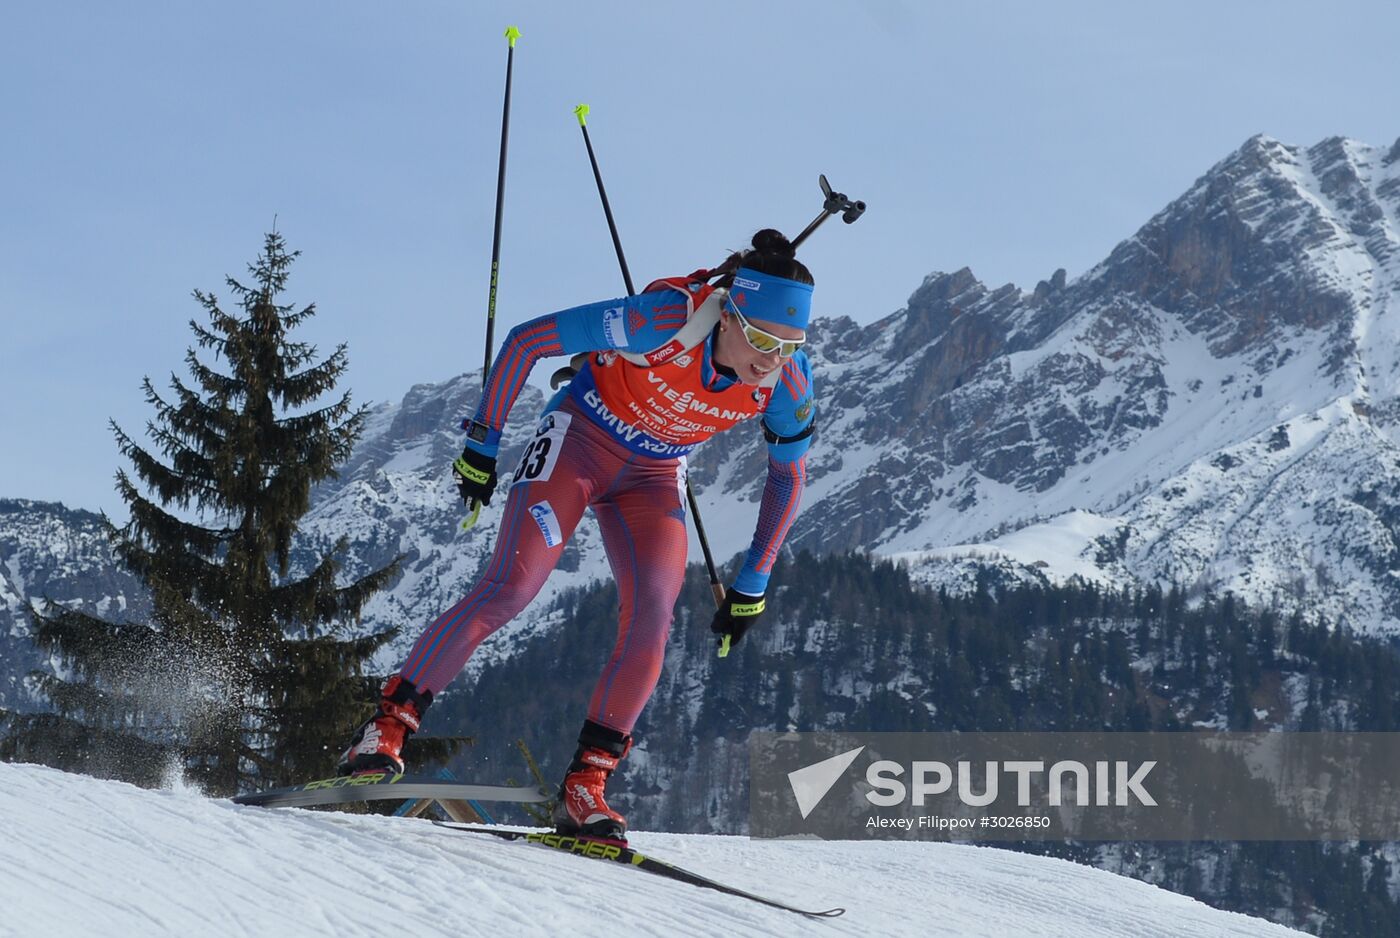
pixel 1216 404
pixel 48 552
pixel 156 863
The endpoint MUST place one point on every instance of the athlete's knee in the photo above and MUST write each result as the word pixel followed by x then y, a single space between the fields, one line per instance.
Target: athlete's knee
pixel 520 580
pixel 646 635
pixel 655 605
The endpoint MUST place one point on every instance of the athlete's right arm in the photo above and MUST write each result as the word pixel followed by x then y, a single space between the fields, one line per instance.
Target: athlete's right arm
pixel 632 323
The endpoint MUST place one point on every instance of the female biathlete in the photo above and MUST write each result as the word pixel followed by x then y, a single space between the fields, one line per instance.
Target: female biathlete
pixel 670 368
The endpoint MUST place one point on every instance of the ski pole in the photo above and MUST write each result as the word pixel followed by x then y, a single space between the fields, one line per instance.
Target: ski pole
pixel 512 34
pixel 581 112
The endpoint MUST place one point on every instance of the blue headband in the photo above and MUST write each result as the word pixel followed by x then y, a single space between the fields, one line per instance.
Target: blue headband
pixel 773 299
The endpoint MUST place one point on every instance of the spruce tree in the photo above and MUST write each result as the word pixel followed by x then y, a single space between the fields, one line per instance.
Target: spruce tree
pixel 247 670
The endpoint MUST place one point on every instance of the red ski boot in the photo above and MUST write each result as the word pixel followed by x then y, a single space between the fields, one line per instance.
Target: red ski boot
pixel 581 811
pixel 380 739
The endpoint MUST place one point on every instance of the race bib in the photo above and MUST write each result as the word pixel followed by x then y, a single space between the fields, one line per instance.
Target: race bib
pixel 537 462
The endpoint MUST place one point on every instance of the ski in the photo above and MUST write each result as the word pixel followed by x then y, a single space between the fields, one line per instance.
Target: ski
pixel 386 786
pixel 619 852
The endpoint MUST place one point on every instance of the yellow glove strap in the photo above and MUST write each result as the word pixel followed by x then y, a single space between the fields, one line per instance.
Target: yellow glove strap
pixel 469 472
pixel 747 609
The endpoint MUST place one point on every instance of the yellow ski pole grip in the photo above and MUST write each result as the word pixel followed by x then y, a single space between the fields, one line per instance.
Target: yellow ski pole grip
pixel 512 34
pixel 581 112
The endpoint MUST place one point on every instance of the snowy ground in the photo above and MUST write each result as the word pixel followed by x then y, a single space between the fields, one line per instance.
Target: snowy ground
pixel 82 857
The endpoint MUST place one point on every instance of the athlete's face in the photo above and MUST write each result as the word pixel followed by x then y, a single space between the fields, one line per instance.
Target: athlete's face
pixel 735 352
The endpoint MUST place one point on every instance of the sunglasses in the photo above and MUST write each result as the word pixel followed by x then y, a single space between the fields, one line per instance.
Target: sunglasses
pixel 765 342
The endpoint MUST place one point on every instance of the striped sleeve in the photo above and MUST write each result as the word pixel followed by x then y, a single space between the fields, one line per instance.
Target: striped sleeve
pixel 637 323
pixel 525 345
pixel 790 412
pixel 781 496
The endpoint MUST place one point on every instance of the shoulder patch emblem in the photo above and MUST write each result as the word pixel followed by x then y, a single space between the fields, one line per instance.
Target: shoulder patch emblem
pixel 804 410
pixel 613 327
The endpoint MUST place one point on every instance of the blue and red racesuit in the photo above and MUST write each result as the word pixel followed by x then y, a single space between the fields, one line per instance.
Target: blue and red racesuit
pixel 615 440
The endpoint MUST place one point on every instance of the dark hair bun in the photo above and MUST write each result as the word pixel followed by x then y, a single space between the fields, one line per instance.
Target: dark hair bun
pixel 771 241
pixel 772 253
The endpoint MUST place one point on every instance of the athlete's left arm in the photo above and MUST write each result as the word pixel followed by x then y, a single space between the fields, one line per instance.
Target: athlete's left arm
pixel 787 425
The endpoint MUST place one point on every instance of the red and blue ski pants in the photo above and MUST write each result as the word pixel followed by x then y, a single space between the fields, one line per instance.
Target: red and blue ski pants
pixel 573 464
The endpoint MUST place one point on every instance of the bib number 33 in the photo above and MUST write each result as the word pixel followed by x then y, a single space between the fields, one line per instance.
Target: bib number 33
pixel 537 462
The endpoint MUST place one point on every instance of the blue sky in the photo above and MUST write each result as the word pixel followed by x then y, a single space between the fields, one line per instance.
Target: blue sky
pixel 148 146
